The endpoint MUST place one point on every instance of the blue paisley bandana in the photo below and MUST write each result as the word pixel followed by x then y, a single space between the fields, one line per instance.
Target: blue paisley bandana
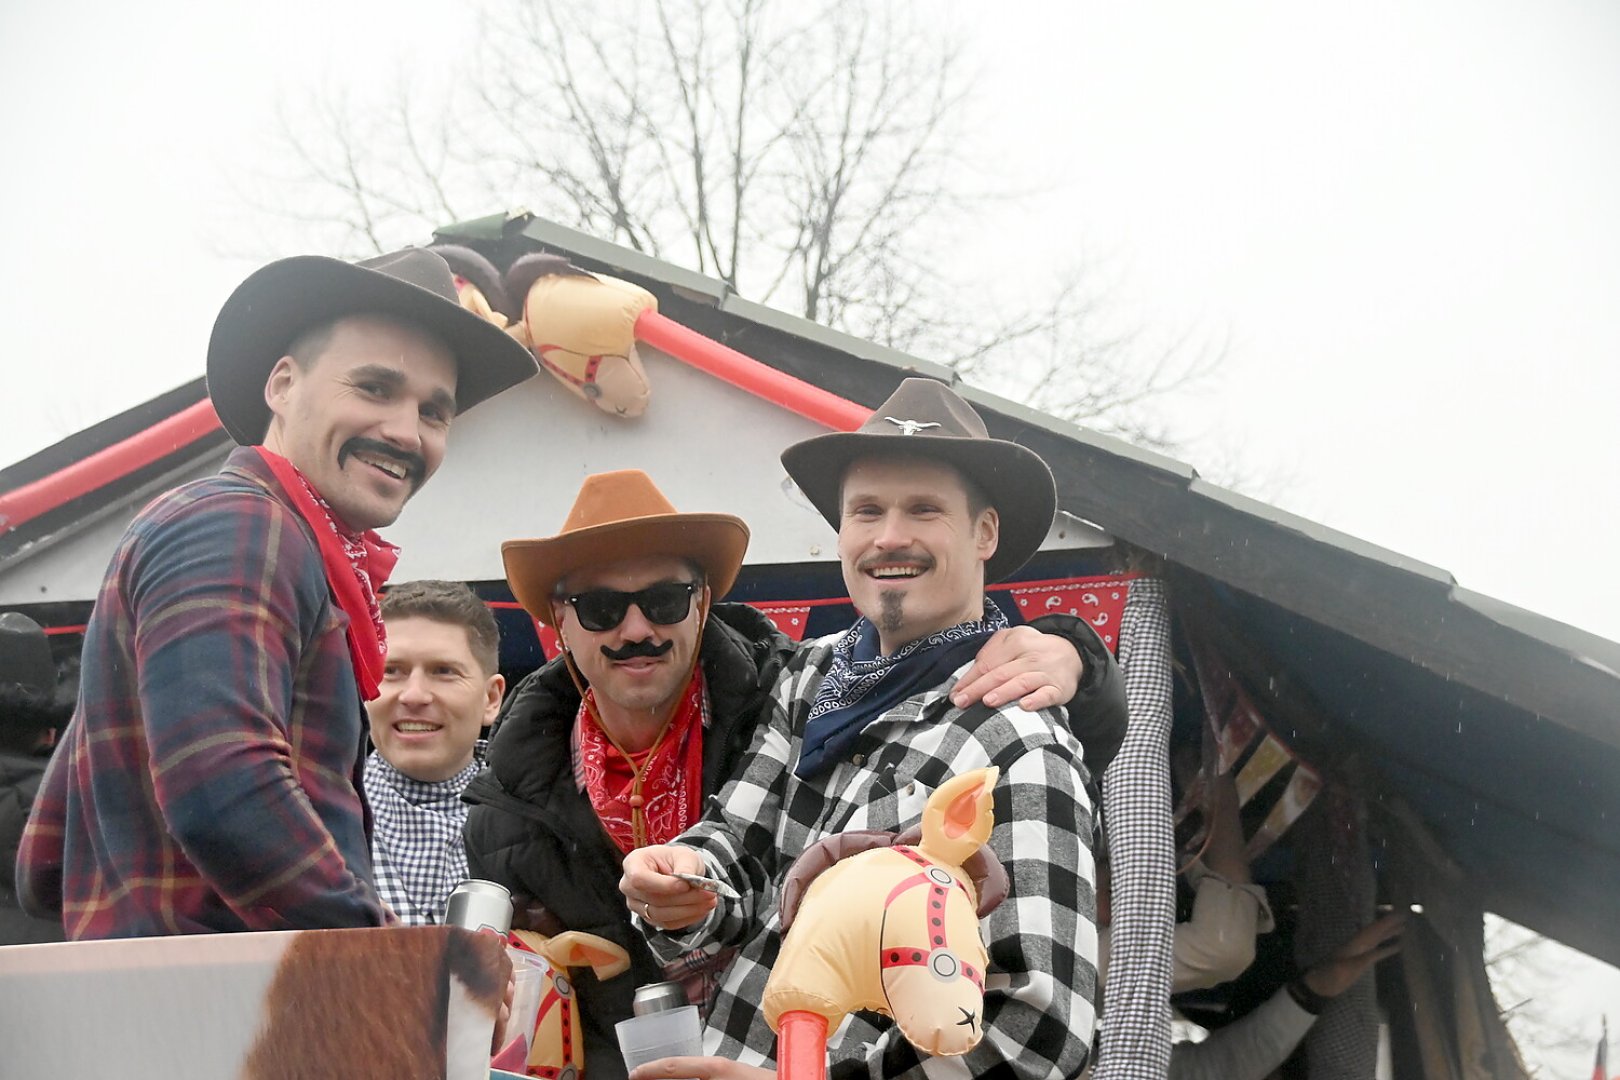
pixel 862 685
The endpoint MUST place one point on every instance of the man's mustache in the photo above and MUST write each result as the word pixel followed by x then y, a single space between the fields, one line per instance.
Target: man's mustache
pixel 415 466
pixel 636 649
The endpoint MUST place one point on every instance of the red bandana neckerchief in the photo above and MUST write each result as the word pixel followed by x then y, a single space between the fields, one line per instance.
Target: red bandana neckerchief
pixel 357 565
pixel 651 797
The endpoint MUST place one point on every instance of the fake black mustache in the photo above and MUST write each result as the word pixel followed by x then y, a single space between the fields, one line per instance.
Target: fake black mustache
pixel 415 467
pixel 637 649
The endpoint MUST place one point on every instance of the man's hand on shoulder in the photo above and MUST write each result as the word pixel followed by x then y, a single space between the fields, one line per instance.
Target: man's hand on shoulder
pixel 1021 664
pixel 1349 962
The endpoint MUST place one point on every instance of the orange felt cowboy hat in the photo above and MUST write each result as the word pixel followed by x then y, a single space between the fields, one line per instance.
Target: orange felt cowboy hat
pixel 617 516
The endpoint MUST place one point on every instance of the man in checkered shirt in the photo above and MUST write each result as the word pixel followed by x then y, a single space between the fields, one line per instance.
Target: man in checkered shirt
pixel 440 689
pixel 928 509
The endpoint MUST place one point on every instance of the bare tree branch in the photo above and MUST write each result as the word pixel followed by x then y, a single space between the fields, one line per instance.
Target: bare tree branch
pixel 806 154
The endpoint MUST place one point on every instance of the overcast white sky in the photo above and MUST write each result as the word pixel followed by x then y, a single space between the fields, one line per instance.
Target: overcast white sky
pixel 1406 215
pixel 1403 214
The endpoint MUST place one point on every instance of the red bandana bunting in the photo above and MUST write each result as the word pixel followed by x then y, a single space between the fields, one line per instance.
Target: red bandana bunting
pixel 1100 601
pixel 649 797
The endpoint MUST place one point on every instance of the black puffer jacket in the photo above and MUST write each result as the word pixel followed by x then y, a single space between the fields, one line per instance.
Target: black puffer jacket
pixel 534 831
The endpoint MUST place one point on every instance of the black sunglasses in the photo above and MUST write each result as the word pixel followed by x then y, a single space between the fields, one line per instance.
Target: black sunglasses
pixel 665 604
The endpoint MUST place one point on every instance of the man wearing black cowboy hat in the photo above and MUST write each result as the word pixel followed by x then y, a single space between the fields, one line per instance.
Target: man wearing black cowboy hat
pixel 928 510
pixel 207 781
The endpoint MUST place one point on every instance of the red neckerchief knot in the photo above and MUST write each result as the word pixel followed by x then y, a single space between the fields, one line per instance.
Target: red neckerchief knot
pixel 649 797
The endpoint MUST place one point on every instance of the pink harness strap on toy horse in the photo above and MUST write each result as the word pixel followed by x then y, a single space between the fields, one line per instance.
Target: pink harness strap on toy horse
pixel 891 928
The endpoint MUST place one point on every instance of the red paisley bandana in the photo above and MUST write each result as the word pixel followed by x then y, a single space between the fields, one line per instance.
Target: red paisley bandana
pixel 651 797
pixel 357 565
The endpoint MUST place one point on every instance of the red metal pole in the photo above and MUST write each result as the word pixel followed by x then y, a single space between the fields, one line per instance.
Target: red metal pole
pixel 746 373
pixel 801 1046
pixel 106 465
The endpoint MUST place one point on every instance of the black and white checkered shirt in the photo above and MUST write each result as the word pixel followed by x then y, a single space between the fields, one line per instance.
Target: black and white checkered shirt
pixel 417 852
pixel 1042 940
pixel 1136 802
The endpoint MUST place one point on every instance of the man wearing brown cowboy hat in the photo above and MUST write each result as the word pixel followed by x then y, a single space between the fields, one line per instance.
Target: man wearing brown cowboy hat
pixel 928 509
pixel 619 742
pixel 207 780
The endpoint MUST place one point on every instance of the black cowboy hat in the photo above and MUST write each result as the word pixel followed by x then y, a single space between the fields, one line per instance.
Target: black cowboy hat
pixel 278 302
pixel 924 418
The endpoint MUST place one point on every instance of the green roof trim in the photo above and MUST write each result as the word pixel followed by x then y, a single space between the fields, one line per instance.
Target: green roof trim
pixel 827 337
pixel 697 287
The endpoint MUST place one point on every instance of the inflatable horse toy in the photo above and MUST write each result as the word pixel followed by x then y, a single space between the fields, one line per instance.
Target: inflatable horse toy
pixel 881 922
pixel 555 1050
pixel 581 327
pixel 584 328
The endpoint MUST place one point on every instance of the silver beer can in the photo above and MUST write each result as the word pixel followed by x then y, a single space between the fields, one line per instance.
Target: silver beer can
pixel 485 906
pixel 658 997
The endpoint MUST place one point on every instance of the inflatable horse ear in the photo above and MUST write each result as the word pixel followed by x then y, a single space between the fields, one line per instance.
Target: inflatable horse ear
pixel 582 327
pixel 893 927
pixel 478 283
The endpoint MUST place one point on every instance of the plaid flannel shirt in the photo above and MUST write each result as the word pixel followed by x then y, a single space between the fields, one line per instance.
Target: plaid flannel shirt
pixel 207 779
pixel 417 851
pixel 1042 940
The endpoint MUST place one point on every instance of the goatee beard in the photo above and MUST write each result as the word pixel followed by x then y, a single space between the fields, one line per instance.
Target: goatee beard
pixel 891 615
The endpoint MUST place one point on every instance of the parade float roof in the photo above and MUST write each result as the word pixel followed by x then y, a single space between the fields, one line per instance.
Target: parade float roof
pixel 1498 727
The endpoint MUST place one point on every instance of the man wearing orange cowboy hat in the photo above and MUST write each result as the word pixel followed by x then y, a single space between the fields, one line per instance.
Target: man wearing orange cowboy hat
pixel 865 725
pixel 208 779
pixel 619 742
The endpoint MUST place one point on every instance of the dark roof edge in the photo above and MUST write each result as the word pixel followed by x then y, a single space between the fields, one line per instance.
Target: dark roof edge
pixel 827 337
pixel 1587 932
pixel 98 436
pixel 501 227
pixel 1589 649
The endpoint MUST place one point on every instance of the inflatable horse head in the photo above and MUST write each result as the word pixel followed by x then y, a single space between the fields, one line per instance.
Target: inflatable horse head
pixel 582 327
pixel 882 922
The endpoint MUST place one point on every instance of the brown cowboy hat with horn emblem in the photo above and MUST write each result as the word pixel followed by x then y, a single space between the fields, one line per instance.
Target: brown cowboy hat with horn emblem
pixel 924 418
pixel 618 516
pixel 278 302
